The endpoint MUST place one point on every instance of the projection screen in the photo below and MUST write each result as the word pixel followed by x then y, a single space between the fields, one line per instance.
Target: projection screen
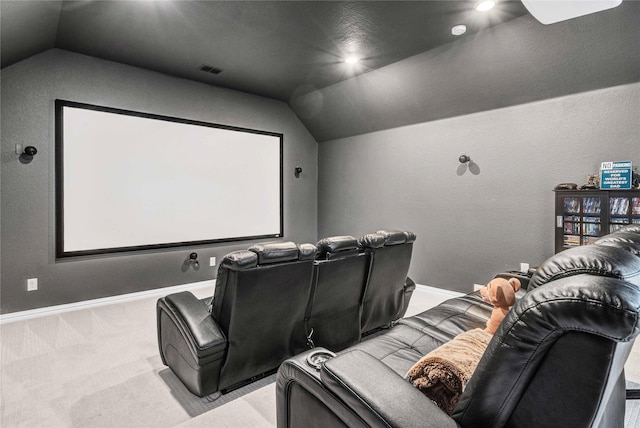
pixel 130 181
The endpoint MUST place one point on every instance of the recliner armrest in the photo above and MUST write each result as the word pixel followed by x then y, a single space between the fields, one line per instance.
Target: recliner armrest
pixel 378 394
pixel 409 285
pixel 196 321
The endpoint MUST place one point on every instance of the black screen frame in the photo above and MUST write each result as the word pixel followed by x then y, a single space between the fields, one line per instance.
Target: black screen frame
pixel 59 181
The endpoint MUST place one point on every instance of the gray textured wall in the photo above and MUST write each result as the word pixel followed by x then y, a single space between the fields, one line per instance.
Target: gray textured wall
pixel 474 222
pixel 29 89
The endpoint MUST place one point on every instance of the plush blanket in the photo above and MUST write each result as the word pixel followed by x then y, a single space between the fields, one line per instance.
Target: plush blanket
pixel 443 373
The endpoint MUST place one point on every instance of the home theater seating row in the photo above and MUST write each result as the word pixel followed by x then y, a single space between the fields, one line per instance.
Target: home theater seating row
pixel 276 300
pixel 557 359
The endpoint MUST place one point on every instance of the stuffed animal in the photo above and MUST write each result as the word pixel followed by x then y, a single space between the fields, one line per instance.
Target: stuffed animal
pixel 501 293
pixel 443 373
pixel 593 182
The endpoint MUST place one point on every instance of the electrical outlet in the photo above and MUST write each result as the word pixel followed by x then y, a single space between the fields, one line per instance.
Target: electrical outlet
pixel 212 261
pixel 524 267
pixel 32 284
pixel 477 287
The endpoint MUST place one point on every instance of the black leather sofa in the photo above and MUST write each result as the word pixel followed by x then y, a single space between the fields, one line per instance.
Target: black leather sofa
pixel 557 359
pixel 250 327
pixel 387 291
pixel 276 300
pixel 360 286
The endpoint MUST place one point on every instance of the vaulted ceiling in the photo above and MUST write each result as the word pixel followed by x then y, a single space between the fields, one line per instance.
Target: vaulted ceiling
pixel 269 48
pixel 294 50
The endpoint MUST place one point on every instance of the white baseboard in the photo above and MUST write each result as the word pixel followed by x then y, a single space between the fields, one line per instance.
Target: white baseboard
pixel 50 310
pixel 158 292
pixel 430 289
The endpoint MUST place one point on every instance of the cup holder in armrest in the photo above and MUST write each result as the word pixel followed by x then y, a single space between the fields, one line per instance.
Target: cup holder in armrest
pixel 316 358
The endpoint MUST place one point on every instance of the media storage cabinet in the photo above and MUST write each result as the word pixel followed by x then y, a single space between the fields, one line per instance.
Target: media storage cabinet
pixel 582 216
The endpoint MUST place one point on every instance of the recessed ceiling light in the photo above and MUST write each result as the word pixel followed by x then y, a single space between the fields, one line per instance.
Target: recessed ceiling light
pixel 485 5
pixel 458 30
pixel 351 59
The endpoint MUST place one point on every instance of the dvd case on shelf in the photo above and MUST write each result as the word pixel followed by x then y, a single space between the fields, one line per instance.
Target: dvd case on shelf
pixel 591 229
pixel 619 206
pixel 591 205
pixel 572 205
pixel 619 220
pixel 572 228
pixel 571 240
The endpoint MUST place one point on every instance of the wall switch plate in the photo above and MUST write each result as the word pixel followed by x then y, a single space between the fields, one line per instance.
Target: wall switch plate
pixel 32 284
pixel 212 261
pixel 524 267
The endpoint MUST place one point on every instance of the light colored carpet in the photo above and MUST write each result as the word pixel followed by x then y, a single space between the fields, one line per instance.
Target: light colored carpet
pixel 99 367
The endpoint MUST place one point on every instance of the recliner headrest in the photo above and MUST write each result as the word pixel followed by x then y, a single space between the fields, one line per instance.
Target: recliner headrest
pixel 396 237
pixel 411 237
pixel 275 252
pixel 307 251
pixel 633 228
pixel 371 240
pixel 337 246
pixel 239 260
pixel 599 260
pixel 628 241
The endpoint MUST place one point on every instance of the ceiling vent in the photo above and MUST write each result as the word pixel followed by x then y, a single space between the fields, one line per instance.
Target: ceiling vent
pixel 209 69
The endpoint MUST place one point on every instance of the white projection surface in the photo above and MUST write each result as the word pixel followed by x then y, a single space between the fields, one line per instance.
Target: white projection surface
pixel 132 182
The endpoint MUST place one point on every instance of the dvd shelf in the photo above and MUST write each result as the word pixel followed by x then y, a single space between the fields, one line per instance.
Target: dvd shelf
pixel 623 209
pixel 582 216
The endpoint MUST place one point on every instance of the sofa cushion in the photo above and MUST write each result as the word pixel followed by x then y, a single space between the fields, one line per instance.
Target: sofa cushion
pixel 400 347
pixel 452 317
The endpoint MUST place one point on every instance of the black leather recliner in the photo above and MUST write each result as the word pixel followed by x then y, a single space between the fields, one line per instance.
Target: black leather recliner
pixel 387 293
pixel 557 359
pixel 254 323
pixel 340 275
